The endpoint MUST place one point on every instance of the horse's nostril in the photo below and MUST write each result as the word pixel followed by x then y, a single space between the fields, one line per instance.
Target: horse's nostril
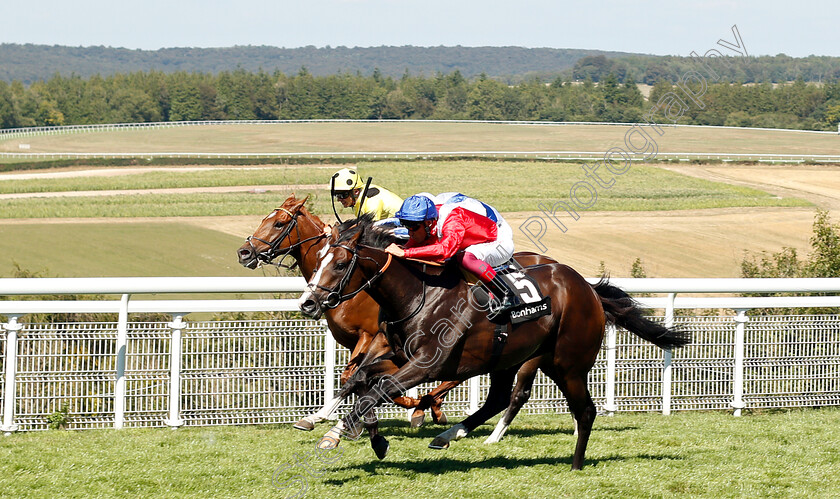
pixel 308 306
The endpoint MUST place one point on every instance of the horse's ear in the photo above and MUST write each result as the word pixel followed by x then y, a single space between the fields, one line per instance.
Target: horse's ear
pixel 299 203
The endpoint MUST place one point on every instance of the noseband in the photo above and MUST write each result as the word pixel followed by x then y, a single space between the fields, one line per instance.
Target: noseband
pixel 273 250
pixel 334 296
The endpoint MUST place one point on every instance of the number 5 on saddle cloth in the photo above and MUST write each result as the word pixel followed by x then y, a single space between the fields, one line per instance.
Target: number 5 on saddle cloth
pixel 533 304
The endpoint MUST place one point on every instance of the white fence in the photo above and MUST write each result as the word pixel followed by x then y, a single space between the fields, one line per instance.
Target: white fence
pixel 124 372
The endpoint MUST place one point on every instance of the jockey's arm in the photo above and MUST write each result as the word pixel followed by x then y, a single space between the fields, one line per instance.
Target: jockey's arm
pixel 452 234
pixel 395 250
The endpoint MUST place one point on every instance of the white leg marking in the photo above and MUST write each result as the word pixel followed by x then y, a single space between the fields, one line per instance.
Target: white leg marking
pixel 498 432
pixel 457 432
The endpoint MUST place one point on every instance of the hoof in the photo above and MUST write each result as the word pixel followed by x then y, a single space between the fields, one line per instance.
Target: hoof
pixel 328 443
pixel 439 443
pixel 417 419
pixel 380 446
pixel 441 419
pixel 304 425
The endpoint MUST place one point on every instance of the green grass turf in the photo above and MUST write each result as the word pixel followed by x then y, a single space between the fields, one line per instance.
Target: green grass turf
pixel 783 454
pixel 125 249
pixel 509 186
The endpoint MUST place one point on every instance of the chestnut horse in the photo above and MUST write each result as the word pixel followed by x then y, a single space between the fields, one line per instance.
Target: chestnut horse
pixel 291 230
pixel 434 336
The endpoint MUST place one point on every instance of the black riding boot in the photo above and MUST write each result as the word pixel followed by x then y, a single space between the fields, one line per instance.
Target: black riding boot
pixel 503 298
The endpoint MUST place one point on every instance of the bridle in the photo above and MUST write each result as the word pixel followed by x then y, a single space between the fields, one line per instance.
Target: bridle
pixel 274 250
pixel 334 296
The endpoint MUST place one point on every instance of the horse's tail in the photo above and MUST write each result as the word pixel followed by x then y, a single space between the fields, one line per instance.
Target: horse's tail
pixel 624 311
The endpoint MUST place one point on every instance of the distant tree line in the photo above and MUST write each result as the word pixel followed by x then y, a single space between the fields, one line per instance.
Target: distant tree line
pixel 29 63
pixel 242 95
pixel 650 69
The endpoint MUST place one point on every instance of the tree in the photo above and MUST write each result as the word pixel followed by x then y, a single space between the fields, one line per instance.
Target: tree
pixel 637 269
pixel 8 115
pixel 486 100
pixel 824 260
pixel 184 99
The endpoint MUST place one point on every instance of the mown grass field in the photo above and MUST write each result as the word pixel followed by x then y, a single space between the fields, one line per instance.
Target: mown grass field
pixel 782 454
pixel 112 250
pixel 419 136
pixel 509 186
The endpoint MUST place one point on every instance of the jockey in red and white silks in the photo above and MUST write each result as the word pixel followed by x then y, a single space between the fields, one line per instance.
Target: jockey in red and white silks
pixel 498 245
pixel 461 227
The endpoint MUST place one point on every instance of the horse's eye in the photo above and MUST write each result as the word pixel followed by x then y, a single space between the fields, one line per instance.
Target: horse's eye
pixel 278 225
pixel 340 265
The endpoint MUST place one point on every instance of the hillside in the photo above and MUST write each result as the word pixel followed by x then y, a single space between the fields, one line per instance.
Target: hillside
pixel 28 63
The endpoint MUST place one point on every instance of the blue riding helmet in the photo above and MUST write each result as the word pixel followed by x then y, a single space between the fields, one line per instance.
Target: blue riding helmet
pixel 417 209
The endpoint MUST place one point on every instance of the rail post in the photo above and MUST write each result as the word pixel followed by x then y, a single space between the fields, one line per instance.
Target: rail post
pixel 738 374
pixel 474 390
pixel 175 353
pixel 329 363
pixel 122 343
pixel 610 406
pixel 668 357
pixel 12 327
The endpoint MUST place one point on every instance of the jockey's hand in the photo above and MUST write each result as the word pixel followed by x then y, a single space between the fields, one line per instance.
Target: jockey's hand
pixel 395 250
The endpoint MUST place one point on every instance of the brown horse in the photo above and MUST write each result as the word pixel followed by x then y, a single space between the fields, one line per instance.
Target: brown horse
pixel 291 230
pixel 436 333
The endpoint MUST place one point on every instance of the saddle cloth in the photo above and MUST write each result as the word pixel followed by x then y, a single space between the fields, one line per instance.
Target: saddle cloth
pixel 533 303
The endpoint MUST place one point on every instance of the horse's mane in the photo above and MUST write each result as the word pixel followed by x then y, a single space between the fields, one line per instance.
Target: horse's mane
pixel 371 235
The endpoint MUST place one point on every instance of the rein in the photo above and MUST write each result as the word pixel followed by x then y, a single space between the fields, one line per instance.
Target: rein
pixel 334 296
pixel 416 310
pixel 273 247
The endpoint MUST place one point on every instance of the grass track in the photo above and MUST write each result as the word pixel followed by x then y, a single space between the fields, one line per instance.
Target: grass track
pixel 783 454
pixel 509 186
pixel 112 250
pixel 420 136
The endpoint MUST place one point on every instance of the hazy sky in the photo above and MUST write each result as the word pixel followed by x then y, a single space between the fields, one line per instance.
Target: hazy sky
pixel 654 27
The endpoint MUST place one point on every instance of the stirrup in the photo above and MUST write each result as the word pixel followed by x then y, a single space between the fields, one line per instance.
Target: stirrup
pixel 497 307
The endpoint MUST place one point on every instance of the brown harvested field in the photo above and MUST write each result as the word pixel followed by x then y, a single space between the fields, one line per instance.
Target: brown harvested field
pixel 698 243
pixel 420 136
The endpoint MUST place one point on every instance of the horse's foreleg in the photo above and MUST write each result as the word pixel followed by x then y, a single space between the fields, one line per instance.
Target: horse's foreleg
pixel 521 393
pixel 357 355
pixel 386 389
pixel 498 397
pixel 308 423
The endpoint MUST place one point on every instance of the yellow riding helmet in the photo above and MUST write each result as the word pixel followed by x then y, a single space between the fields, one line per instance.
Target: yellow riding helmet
pixel 347 179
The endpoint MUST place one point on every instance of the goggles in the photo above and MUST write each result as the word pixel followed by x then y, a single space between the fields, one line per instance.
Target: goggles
pixel 411 225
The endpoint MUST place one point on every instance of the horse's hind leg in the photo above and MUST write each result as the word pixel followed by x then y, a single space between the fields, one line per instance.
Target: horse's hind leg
pixel 575 389
pixel 498 397
pixel 521 393
pixel 433 401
